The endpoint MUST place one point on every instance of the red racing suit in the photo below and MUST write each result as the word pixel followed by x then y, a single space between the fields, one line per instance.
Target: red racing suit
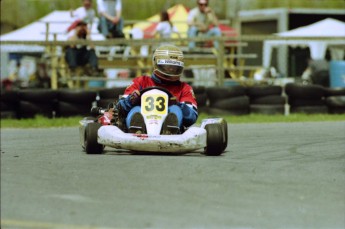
pixel 182 91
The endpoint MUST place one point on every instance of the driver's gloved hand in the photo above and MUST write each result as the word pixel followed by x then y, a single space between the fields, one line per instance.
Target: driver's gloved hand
pixel 173 101
pixel 134 98
pixel 130 101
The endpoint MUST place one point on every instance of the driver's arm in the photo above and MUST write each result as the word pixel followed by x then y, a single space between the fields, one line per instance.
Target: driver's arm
pixel 131 96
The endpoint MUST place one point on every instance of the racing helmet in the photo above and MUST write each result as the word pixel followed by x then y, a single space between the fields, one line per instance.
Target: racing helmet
pixel 168 62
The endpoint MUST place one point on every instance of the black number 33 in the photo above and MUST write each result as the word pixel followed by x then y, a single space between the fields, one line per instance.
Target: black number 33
pixel 159 103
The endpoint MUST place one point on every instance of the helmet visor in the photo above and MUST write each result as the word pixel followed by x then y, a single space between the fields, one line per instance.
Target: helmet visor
pixel 170 67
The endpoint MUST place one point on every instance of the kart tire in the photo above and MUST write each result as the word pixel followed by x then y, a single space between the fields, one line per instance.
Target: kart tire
pixel 215 143
pixel 91 135
pixel 225 131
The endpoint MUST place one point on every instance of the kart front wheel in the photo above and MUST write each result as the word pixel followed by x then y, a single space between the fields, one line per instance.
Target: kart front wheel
pixel 91 135
pixel 215 139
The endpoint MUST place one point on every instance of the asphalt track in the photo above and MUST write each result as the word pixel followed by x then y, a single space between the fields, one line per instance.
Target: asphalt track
pixel 282 175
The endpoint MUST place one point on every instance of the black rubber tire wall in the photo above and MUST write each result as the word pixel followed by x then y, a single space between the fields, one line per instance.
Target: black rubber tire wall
pixel 304 91
pixel 37 102
pixel 261 91
pixel 111 93
pixel 216 94
pixel 74 103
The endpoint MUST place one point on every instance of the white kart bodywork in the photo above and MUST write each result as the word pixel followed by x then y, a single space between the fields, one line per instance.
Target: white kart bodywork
pixel 192 139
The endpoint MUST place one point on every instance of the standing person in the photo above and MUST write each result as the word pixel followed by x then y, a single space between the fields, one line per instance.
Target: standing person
pixel 84 13
pixel 167 69
pixel 202 19
pixel 165 27
pixel 111 22
pixel 81 55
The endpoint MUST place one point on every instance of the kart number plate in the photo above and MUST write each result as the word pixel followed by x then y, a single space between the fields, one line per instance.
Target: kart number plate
pixel 154 104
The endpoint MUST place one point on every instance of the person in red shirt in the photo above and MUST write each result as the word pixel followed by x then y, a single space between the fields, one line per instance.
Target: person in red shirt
pixel 167 69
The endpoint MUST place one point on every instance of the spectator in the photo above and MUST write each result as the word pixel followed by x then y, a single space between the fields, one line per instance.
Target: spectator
pixel 317 72
pixel 84 13
pixel 165 27
pixel 202 19
pixel 81 55
pixel 111 22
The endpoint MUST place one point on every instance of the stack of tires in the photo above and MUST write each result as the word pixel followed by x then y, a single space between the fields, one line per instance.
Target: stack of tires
pixel 9 101
pixel 201 98
pixel 37 102
pixel 109 95
pixel 228 100
pixel 335 100
pixel 309 99
pixel 266 99
pixel 74 102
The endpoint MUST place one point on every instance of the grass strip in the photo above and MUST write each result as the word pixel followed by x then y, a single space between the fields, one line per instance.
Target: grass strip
pixel 43 122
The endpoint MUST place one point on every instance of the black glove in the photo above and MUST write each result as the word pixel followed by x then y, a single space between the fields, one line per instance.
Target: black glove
pixel 134 98
pixel 173 101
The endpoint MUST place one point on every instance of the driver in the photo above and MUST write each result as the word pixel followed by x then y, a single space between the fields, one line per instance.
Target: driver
pixel 167 69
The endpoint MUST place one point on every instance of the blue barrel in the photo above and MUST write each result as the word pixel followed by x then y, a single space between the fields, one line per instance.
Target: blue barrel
pixel 96 83
pixel 337 73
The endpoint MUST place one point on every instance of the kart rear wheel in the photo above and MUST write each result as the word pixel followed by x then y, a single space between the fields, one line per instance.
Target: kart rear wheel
pixel 91 135
pixel 225 134
pixel 215 139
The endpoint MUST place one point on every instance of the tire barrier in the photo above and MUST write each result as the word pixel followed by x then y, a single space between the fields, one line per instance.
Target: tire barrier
pixel 266 99
pixel 9 104
pixel 335 100
pixel 309 99
pixel 109 95
pixel 233 100
pixel 228 100
pixel 201 98
pixel 34 102
pixel 74 103
pixel 336 104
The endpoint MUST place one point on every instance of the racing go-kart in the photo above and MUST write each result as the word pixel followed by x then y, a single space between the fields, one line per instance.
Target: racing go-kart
pixel 108 130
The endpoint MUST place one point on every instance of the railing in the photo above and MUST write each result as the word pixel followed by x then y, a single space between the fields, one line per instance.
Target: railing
pixel 227 57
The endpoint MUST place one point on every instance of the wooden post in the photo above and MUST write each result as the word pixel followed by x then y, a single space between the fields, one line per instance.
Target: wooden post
pixel 54 76
pixel 220 62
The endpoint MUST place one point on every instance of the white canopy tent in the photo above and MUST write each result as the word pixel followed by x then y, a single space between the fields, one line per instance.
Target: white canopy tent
pixel 56 23
pixel 325 28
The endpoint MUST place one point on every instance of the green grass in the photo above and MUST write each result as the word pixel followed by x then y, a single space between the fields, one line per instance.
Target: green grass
pixel 42 122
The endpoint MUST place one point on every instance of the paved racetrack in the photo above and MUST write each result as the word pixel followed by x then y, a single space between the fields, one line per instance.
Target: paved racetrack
pixel 282 175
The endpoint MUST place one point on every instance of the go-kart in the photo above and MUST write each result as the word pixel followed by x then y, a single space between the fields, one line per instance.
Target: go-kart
pixel 106 129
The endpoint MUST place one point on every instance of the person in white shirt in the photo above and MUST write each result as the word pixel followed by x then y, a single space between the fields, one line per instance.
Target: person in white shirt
pixel 165 27
pixel 81 55
pixel 202 19
pixel 111 21
pixel 84 13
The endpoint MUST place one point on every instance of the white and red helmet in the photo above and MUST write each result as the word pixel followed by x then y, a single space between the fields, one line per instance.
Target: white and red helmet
pixel 168 62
